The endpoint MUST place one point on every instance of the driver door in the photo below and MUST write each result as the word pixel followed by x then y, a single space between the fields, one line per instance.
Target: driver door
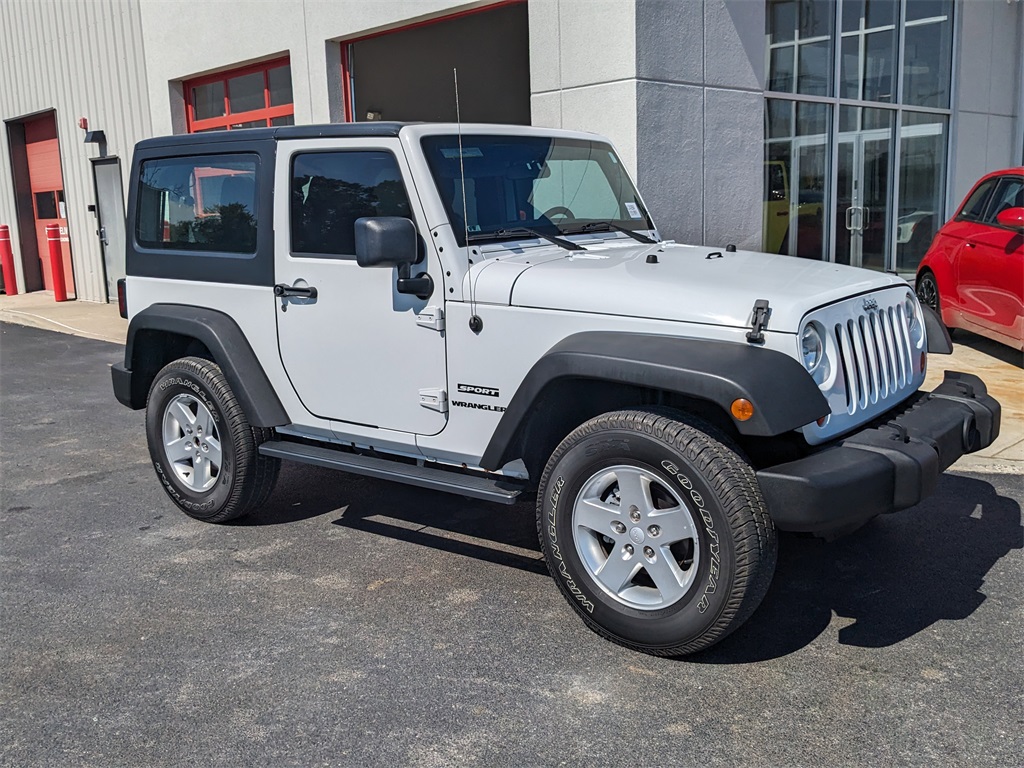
pixel 355 349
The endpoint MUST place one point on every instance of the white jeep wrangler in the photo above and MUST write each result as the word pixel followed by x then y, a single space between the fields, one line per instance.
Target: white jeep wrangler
pixel 492 310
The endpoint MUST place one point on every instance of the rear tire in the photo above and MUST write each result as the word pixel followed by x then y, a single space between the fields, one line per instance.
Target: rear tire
pixel 203 449
pixel 655 531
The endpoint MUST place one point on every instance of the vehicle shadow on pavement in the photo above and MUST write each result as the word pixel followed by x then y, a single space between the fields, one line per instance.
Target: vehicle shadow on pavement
pixel 989 347
pixel 489 532
pixel 892 579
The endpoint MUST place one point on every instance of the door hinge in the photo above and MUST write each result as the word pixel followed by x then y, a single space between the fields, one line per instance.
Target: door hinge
pixel 431 317
pixel 434 399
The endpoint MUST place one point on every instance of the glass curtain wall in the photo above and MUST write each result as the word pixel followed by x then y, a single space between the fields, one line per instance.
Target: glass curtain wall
pixel 856 125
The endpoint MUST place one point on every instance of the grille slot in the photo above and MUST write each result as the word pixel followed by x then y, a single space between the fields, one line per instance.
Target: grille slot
pixel 875 356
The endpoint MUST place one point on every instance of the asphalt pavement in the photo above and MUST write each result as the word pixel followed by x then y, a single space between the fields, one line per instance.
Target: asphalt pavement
pixel 357 622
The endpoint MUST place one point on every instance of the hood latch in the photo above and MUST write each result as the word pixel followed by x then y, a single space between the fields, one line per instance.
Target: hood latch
pixel 759 321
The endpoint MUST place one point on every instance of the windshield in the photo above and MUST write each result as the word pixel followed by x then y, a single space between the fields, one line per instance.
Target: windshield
pixel 551 185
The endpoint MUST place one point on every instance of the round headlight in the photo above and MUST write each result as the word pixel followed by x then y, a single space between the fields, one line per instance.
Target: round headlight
pixel 811 347
pixel 910 308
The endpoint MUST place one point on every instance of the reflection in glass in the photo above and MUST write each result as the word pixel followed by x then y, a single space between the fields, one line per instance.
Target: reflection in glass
pixel 863 189
pixel 193 204
pixel 280 81
pixel 245 93
pixel 800 44
pixel 208 100
pixel 927 53
pixel 922 186
pixel 330 190
pixel 795 178
pixel 868 50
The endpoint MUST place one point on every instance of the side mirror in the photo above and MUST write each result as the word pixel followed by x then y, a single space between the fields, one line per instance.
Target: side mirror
pixel 391 241
pixel 1011 217
pixel 385 241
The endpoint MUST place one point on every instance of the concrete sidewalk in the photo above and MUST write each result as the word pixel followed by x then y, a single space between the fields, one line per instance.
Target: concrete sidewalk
pixel 1000 367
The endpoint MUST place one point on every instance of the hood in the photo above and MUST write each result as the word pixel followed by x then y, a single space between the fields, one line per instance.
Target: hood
pixel 695 284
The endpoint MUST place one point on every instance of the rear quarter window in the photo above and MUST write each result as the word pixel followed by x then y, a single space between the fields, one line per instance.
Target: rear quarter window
pixel 199 204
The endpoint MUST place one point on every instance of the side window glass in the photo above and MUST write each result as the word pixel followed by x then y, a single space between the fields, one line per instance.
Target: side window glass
pixel 330 190
pixel 974 208
pixel 1009 194
pixel 205 203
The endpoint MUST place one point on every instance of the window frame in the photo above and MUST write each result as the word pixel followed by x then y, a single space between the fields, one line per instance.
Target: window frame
pixel 336 151
pixel 229 119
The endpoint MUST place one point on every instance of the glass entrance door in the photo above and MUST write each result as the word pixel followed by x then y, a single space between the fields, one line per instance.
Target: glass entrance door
pixel 863 187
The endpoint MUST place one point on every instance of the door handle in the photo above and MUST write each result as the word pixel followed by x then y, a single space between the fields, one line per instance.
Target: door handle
pixel 300 291
pixel 865 217
pixel 849 218
pixel 102 232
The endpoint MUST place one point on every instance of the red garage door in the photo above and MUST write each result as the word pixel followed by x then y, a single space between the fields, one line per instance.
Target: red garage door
pixel 47 187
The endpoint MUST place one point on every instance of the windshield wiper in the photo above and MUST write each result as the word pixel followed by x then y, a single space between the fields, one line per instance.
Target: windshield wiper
pixel 593 226
pixel 569 245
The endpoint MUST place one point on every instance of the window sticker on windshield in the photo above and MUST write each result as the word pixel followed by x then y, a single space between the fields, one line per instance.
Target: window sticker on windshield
pixel 452 153
pixel 634 211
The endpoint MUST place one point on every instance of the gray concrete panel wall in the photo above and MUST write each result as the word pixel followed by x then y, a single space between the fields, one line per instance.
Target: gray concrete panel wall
pixel 82 60
pixel 988 112
pixel 670 153
pixel 733 167
pixel 700 118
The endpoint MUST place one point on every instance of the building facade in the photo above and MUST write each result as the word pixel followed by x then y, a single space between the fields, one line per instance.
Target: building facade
pixel 843 130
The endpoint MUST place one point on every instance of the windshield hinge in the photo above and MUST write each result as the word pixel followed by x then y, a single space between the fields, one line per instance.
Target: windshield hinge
pixel 431 317
pixel 434 399
pixel 759 321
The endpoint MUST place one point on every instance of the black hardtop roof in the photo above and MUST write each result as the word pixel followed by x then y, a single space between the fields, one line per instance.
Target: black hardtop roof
pixel 328 130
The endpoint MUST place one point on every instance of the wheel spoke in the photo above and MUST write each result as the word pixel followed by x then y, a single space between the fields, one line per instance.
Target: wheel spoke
pixel 617 572
pixel 667 576
pixel 597 516
pixel 214 453
pixel 181 414
pixel 205 473
pixel 634 489
pixel 675 523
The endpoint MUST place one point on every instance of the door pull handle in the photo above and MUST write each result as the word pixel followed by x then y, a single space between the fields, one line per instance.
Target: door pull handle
pixel 302 292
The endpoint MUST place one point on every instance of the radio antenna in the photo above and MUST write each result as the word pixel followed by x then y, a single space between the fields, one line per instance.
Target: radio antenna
pixel 475 323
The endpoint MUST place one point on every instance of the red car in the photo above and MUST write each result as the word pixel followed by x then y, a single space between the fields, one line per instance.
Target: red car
pixel 973 273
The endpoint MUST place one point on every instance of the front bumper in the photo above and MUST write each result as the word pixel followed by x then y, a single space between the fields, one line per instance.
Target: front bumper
pixel 883 468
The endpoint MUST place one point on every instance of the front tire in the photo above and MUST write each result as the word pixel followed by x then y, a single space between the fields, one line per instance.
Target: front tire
pixel 655 531
pixel 203 449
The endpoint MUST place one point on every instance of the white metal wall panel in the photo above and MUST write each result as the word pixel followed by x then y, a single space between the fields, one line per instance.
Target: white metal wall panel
pixel 82 58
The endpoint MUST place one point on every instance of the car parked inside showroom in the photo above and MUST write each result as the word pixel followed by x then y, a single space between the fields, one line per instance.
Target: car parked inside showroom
pixel 973 273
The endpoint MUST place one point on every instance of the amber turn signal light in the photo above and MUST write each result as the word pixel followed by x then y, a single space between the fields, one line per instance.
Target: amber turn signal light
pixel 742 409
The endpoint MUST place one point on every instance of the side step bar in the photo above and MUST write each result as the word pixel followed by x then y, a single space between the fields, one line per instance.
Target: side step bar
pixel 497 489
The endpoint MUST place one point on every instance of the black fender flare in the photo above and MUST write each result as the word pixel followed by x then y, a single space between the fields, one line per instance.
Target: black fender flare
pixel 784 395
pixel 939 341
pixel 220 334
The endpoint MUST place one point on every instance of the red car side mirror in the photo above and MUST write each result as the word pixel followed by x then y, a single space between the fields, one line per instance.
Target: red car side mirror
pixel 1011 217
